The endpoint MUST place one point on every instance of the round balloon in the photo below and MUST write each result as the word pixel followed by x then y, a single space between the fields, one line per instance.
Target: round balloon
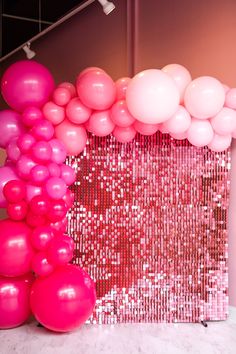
pixel 6 174
pixel 200 132
pixel 10 126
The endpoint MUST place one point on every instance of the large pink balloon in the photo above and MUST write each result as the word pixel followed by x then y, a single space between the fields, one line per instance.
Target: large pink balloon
pixel 96 89
pixel 100 123
pixel 15 248
pixel 64 300
pixel 6 174
pixel 200 132
pixel 15 300
pixel 152 96
pixel 10 126
pixel 224 122
pixel 204 97
pixel 26 83
pixel 179 122
pixel 180 75
pixel 73 136
pixel 220 142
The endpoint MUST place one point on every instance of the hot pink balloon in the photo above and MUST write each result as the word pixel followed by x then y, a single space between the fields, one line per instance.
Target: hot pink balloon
pixel 204 97
pixel 69 86
pixel 220 142
pixel 10 127
pixel 6 174
pixel 55 187
pixel 40 205
pixel 59 226
pixel 53 112
pixel 152 96
pixel 61 96
pixel 64 300
pixel 59 251
pixel 30 115
pixel 58 151
pixel 180 75
pixel 40 264
pixel 100 123
pixel 39 174
pixel 43 130
pixel 32 191
pixel 14 191
pixel 77 112
pixel 17 211
pixel 200 132
pixel 42 151
pixel 120 114
pixel 13 151
pixel 179 122
pixel 146 129
pixel 69 198
pixel 73 136
pixel 25 142
pixel 224 122
pixel 54 169
pixel 124 135
pixel 26 83
pixel 96 90
pixel 41 237
pixel 35 220
pixel 230 99
pixel 121 87
pixel 24 166
pixel 57 210
pixel 68 174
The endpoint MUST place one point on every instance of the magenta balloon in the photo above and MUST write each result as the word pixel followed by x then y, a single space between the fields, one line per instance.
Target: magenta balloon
pixel 24 166
pixel 61 96
pixel 59 251
pixel 146 129
pixel 54 113
pixel 39 174
pixel 25 142
pixel 77 112
pixel 41 236
pixel 31 115
pixel 14 191
pixel 64 300
pixel 13 151
pixel 15 300
pixel 35 220
pixel 68 174
pixel 40 264
pixel 121 87
pixel 73 136
pixel 59 226
pixel 69 198
pixel 6 174
pixel 43 130
pixel 124 135
pixel 55 187
pixel 42 151
pixel 10 126
pixel 54 169
pixel 58 151
pixel 15 248
pixel 40 205
pixel 17 211
pixel 26 83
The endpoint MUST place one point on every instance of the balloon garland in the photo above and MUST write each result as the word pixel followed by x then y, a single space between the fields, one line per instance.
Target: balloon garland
pixel 44 125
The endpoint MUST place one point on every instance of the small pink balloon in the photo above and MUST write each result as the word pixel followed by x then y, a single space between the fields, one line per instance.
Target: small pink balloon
pixel 10 127
pixel 69 198
pixel 179 136
pixel 14 191
pixel 59 251
pixel 55 187
pixel 77 112
pixel 121 87
pixel 96 90
pixel 24 165
pixel 43 130
pixel 42 151
pixel 220 142
pixel 32 191
pixel 39 174
pixel 68 174
pixel 59 226
pixel 200 132
pixel 100 123
pixel 40 205
pixel 54 169
pixel 73 136
pixel 53 112
pixel 41 237
pixel 224 122
pixel 17 211
pixel 41 265
pixel 30 115
pixel 58 151
pixel 120 114
pixel 230 99
pixel 146 129
pixel 179 122
pixel 13 151
pixel 25 142
pixel 57 210
pixel 69 86
pixel 124 135
pixel 61 96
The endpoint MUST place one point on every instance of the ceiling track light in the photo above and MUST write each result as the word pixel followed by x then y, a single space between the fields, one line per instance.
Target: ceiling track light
pixel 29 53
pixel 108 6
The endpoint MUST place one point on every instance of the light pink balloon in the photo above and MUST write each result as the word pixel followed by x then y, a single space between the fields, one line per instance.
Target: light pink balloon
pixel 230 99
pixel 179 122
pixel 100 123
pixel 200 132
pixel 224 122
pixel 69 86
pixel 96 90
pixel 180 75
pixel 73 136
pixel 180 136
pixel 146 129
pixel 30 115
pixel 54 113
pixel 61 96
pixel 124 135
pixel 152 96
pixel 58 151
pixel 220 142
pixel 121 87
pixel 226 88
pixel 32 191
pixel 77 112
pixel 120 114
pixel 204 97
pixel 10 126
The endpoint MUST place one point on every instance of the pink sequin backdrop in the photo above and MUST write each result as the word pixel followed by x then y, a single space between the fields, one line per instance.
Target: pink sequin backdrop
pixel 150 225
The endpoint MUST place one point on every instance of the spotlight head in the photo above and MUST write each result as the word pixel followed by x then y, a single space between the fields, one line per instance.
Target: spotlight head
pixel 108 6
pixel 29 53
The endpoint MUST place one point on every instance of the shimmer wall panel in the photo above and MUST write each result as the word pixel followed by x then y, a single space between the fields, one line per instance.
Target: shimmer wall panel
pixel 150 225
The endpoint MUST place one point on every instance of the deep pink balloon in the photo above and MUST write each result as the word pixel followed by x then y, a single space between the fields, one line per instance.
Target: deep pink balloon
pixel 35 220
pixel 146 129
pixel 40 205
pixel 57 210
pixel 59 226
pixel 31 115
pixel 58 151
pixel 43 130
pixel 68 174
pixel 59 251
pixel 13 151
pixel 121 87
pixel 61 96
pixel 120 114
pixel 64 300
pixel 54 169
pixel 15 248
pixel 42 151
pixel 73 136
pixel 40 264
pixel 55 187
pixel 77 112
pixel 25 142
pixel 54 113
pixel 17 211
pixel 41 237
pixel 32 191
pixel 26 83
pixel 15 300
pixel 124 135
pixel 14 191
pixel 69 86
pixel 39 174
pixel 6 174
pixel 100 123
pixel 10 126
pixel 24 166
pixel 69 198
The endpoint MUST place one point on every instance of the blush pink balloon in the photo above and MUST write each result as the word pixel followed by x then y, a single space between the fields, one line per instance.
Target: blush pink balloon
pixel 224 122
pixel 32 191
pixel 100 123
pixel 121 87
pixel 13 151
pixel 96 90
pixel 152 96
pixel 58 151
pixel 200 132
pixel 25 142
pixel 55 187
pixel 230 99
pixel 146 129
pixel 180 75
pixel 10 126
pixel 73 136
pixel 64 300
pixel 53 112
pixel 179 122
pixel 15 300
pixel 204 97
pixel 220 142
pixel 41 237
pixel 76 112
pixel 68 174
pixel 61 96
pixel 124 135
pixel 6 174
pixel 41 265
pixel 226 89
pixel 120 114
pixel 179 136
pixel 41 151
pixel 69 86
pixel 30 115
pixel 26 83
pixel 24 165
pixel 39 174
pixel 43 130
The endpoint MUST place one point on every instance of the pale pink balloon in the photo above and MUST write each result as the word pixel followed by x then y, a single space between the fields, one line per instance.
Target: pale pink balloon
pixel 96 90
pixel 121 87
pixel 220 142
pixel 124 135
pixel 204 97
pixel 146 129
pixel 179 122
pixel 73 136
pixel 120 114
pixel 77 112
pixel 69 86
pixel 31 115
pixel 152 96
pixel 61 96
pixel 180 75
pixel 100 123
pixel 226 88
pixel 224 122
pixel 32 191
pixel 179 136
pixel 54 113
pixel 200 132
pixel 230 99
